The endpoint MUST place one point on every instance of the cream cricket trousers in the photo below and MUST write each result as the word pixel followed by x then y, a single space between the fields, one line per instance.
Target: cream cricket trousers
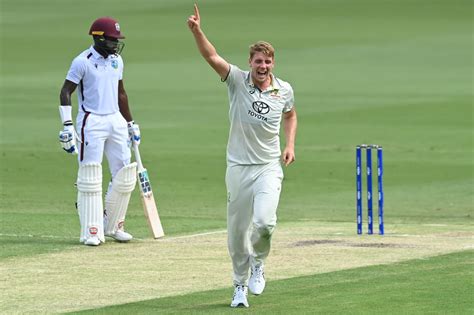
pixel 103 134
pixel 100 134
pixel 253 192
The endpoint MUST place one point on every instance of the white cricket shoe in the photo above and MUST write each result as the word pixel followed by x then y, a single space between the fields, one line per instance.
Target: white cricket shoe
pixel 257 280
pixel 121 236
pixel 92 241
pixel 240 297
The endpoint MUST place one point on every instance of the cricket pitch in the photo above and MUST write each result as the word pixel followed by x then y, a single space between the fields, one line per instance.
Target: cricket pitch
pixel 114 273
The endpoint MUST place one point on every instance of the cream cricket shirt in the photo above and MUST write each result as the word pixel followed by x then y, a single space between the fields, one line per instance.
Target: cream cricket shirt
pixel 97 79
pixel 255 118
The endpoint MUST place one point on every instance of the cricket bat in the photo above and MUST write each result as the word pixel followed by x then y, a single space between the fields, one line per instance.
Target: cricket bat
pixel 148 201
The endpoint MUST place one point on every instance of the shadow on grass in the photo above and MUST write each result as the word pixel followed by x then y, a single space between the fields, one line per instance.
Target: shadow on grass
pixel 14 246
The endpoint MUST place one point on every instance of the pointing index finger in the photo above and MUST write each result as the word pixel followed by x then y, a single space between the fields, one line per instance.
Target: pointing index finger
pixel 196 11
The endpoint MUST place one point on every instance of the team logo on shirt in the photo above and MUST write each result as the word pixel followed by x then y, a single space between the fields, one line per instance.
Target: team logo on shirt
pixel 275 94
pixel 114 64
pixel 260 107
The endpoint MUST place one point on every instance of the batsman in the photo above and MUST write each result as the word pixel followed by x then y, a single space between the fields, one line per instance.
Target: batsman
pixel 104 126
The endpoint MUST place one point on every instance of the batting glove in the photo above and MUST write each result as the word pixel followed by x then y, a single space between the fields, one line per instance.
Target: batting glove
pixel 67 138
pixel 134 133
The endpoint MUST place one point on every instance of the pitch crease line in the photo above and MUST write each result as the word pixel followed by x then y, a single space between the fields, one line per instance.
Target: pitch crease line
pixel 193 235
pixel 138 239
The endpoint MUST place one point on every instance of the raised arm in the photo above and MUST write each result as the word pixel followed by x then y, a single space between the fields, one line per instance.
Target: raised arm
pixel 207 50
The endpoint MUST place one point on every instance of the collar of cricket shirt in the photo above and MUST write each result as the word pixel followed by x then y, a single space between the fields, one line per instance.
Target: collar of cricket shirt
pixel 98 56
pixel 95 53
pixel 274 86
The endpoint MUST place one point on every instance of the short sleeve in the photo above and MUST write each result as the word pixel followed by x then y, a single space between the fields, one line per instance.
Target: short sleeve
pixel 233 76
pixel 290 100
pixel 77 71
pixel 121 66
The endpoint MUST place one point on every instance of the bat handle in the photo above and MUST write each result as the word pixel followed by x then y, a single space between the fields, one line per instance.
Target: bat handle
pixel 137 156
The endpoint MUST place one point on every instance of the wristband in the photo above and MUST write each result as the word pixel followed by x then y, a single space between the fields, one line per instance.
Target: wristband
pixel 65 111
pixel 130 123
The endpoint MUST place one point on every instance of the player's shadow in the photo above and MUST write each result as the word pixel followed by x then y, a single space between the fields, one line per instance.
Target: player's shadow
pixel 36 241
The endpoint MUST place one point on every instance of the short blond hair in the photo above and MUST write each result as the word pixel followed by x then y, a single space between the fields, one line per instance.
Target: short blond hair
pixel 263 47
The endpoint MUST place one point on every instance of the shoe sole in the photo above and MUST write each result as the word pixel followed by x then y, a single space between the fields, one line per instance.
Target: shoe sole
pixel 119 240
pixel 239 305
pixel 255 293
pixel 91 244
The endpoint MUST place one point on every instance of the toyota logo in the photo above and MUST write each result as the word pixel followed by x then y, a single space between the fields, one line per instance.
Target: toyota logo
pixel 260 107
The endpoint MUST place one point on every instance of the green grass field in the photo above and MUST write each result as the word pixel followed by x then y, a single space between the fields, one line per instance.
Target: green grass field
pixel 396 73
pixel 356 291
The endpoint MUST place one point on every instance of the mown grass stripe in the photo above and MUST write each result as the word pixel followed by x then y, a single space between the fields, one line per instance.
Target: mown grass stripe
pixel 437 285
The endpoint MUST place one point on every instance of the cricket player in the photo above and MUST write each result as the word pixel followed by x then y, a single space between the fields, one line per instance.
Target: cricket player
pixel 104 125
pixel 259 101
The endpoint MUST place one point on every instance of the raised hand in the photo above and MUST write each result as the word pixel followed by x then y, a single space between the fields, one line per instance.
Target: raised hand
pixel 207 50
pixel 194 21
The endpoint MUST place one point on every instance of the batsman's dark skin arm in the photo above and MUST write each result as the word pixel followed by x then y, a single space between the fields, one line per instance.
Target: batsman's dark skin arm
pixel 123 102
pixel 69 88
pixel 66 92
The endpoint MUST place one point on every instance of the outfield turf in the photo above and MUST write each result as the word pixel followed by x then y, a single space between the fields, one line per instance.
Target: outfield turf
pixel 393 72
pixel 411 287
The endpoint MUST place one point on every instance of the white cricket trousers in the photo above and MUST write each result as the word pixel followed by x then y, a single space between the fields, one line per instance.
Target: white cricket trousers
pixel 103 134
pixel 100 134
pixel 253 192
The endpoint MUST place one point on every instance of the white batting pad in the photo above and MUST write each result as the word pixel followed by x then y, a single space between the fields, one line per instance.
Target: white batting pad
pixel 118 197
pixel 89 201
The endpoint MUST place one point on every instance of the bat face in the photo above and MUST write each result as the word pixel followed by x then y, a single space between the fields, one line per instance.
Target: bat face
pixel 151 213
pixel 148 200
pixel 149 205
pixel 145 186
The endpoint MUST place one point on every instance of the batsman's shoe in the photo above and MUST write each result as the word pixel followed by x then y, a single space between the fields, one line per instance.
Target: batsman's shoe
pixel 92 241
pixel 240 297
pixel 257 280
pixel 121 236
